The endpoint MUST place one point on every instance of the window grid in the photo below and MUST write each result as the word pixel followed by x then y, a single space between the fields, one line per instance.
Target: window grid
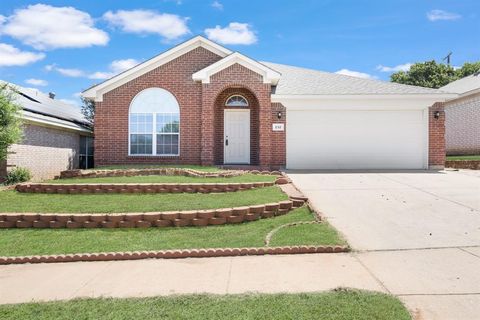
pixel 236 101
pixel 154 134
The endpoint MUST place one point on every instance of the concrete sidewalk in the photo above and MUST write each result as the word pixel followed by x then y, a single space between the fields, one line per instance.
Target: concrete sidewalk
pixel 142 278
pixel 420 278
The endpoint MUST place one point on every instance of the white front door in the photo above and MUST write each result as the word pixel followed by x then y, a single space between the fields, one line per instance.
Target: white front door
pixel 236 136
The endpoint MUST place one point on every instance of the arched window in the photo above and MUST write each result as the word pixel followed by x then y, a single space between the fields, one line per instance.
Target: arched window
pixel 236 101
pixel 154 123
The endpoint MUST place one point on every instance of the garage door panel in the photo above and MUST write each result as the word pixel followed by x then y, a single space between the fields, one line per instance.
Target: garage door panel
pixel 355 139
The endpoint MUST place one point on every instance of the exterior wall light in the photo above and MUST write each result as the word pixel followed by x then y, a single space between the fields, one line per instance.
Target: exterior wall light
pixel 279 115
pixel 436 114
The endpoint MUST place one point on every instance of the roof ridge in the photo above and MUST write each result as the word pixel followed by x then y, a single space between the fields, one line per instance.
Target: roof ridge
pixel 339 76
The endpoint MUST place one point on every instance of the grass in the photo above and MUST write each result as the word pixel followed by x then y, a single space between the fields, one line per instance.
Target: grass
pixel 168 179
pixel 455 158
pixel 312 234
pixel 19 242
pixel 150 166
pixel 12 201
pixel 334 305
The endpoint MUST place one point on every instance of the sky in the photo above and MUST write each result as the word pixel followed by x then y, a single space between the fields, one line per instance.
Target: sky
pixel 67 46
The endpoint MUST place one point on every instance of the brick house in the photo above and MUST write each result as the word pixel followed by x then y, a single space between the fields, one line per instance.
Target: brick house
pixel 463 116
pixel 56 136
pixel 200 103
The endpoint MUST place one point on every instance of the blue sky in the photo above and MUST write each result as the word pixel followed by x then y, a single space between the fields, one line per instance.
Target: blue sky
pixel 66 46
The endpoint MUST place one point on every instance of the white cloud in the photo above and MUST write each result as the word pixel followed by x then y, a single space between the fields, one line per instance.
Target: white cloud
pixel 68 72
pixel 400 67
pixel 435 15
pixel 234 33
pixel 116 67
pixel 11 56
pixel 46 27
pixel 2 19
pixel 37 82
pixel 169 26
pixel 356 74
pixel 217 5
pixel 73 73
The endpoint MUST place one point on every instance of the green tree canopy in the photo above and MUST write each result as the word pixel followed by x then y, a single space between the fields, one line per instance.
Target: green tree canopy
pixel 10 119
pixel 88 109
pixel 433 75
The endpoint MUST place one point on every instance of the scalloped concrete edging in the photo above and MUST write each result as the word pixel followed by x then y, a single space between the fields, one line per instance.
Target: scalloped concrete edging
pixel 98 173
pixel 151 219
pixel 101 188
pixel 173 254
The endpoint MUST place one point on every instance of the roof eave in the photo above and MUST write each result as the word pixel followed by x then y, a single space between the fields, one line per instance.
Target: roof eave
pixel 269 75
pixel 438 97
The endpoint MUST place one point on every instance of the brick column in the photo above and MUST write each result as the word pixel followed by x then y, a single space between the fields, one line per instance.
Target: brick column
pixel 436 137
pixel 265 123
pixel 208 132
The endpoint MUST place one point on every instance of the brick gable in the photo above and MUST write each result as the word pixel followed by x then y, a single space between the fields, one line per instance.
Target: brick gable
pixel 111 118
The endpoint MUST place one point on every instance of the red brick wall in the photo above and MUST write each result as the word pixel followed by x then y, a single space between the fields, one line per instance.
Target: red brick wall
pixel 236 76
pixel 279 152
pixel 436 138
pixel 219 124
pixel 111 118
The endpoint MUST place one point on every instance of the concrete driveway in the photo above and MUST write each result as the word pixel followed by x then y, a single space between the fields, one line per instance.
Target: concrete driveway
pixel 417 233
pixel 401 210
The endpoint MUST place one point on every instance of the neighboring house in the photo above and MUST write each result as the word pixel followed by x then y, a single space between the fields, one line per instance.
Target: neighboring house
pixel 200 103
pixel 463 116
pixel 56 136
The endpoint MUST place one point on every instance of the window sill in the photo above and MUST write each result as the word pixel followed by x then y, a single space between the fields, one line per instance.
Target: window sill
pixel 153 155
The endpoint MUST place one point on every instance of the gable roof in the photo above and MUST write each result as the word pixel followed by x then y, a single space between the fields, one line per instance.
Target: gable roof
pixel 39 107
pixel 96 91
pixel 467 85
pixel 301 81
pixel 269 75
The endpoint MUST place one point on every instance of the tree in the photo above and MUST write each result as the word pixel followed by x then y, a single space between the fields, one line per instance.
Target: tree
pixel 88 109
pixel 10 120
pixel 434 75
pixel 426 74
pixel 468 68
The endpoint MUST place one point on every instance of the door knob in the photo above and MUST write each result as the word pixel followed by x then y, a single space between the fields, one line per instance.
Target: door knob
pixel 226 142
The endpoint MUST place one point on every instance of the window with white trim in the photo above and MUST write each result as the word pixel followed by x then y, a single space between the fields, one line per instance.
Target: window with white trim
pixel 154 124
pixel 236 101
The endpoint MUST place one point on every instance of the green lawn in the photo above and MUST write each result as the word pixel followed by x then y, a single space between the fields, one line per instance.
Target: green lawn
pixel 12 201
pixel 453 158
pixel 334 305
pixel 169 179
pixel 19 242
pixel 150 166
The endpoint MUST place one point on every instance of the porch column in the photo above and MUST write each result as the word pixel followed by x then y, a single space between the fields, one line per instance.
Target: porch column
pixel 207 131
pixel 265 129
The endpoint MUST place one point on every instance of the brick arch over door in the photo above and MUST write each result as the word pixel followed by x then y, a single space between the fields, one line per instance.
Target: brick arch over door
pixel 219 123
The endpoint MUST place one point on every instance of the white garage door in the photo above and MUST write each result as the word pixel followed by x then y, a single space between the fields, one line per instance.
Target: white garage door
pixel 353 139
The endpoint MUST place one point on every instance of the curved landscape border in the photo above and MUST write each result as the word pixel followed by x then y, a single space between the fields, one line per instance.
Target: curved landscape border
pixel 173 254
pixel 100 173
pixel 150 219
pixel 88 188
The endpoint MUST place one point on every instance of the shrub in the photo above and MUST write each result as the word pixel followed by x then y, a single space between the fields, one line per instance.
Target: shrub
pixel 18 175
